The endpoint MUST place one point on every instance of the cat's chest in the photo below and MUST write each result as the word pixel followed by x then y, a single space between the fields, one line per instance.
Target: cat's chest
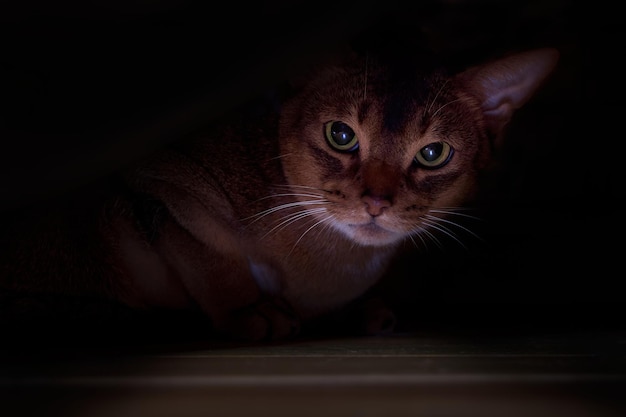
pixel 323 277
pixel 370 266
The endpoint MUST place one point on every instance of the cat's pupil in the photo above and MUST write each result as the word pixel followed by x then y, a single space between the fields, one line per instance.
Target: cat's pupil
pixel 432 151
pixel 342 133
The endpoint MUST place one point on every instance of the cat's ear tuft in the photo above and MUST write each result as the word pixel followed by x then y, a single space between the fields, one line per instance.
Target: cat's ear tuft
pixel 506 84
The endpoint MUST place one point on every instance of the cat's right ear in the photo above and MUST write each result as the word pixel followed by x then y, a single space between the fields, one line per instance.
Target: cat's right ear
pixel 506 84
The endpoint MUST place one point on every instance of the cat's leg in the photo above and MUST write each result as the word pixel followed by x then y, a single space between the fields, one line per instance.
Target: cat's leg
pixel 367 315
pixel 199 242
pixel 221 279
pixel 377 318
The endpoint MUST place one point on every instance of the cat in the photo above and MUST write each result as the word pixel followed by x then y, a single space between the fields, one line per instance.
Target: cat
pixel 271 220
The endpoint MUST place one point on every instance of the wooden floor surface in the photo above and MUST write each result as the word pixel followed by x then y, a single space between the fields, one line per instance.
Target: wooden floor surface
pixel 562 374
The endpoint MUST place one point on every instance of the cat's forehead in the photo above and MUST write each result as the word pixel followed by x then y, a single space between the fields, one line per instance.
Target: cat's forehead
pixel 390 95
pixel 382 76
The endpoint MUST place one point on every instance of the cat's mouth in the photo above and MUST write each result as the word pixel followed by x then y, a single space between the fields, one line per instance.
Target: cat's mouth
pixel 371 227
pixel 372 233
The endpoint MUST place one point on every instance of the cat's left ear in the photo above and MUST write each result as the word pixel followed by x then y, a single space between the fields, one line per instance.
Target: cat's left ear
pixel 506 84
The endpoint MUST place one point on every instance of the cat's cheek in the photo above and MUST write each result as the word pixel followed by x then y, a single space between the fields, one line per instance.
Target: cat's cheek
pixel 454 194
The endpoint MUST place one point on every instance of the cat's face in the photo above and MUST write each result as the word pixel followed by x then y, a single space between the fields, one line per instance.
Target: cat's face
pixel 382 158
pixel 379 154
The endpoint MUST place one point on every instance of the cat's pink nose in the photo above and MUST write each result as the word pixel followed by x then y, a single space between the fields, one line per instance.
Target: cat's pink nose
pixel 375 205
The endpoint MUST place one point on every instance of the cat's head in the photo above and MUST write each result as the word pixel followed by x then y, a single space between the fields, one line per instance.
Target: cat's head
pixel 385 149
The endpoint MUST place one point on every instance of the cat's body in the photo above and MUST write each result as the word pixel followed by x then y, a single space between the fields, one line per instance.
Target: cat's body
pixel 263 223
pixel 262 244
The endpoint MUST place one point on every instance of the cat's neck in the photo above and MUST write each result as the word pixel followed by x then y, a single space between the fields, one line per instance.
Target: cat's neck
pixel 325 268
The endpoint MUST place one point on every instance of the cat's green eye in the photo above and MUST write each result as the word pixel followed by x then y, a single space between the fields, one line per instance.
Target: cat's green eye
pixel 341 136
pixel 434 155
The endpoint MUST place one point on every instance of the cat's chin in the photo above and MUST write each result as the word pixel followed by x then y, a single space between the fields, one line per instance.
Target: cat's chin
pixel 371 234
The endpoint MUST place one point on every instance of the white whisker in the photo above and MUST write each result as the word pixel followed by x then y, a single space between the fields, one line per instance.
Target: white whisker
pixel 424 231
pixel 444 105
pixel 280 156
pixel 325 219
pixel 325 227
pixel 319 196
pixel 414 242
pixel 454 212
pixel 439 219
pixel 280 207
pixel 419 231
pixel 437 226
pixel 431 236
pixel 365 81
pixel 437 96
pixel 292 186
pixel 294 218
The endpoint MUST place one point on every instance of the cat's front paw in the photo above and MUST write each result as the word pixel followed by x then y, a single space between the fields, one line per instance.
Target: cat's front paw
pixel 270 318
pixel 377 319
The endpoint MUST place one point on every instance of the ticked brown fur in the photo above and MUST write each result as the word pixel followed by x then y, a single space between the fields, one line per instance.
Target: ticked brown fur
pixel 264 225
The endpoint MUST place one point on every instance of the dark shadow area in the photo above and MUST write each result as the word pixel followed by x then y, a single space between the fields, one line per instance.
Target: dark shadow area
pixel 521 313
pixel 88 88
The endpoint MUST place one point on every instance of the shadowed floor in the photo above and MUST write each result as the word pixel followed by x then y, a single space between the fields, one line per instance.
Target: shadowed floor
pixel 564 374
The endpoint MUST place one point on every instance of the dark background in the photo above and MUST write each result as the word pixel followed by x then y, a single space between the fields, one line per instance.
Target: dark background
pixel 87 88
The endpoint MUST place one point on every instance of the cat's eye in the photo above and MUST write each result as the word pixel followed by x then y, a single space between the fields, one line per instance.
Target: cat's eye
pixel 434 155
pixel 341 136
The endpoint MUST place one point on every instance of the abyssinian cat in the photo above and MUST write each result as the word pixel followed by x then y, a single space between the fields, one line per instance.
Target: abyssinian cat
pixel 268 221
